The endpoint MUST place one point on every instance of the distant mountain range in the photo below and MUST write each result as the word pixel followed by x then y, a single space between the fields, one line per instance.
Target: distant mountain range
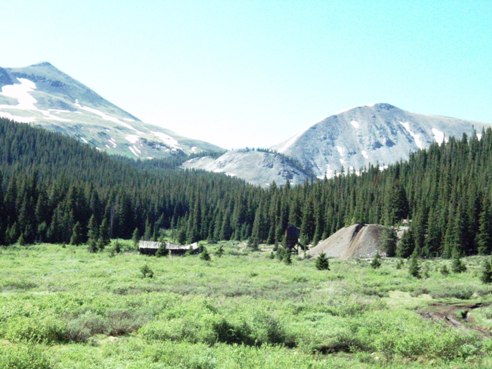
pixel 378 134
pixel 43 95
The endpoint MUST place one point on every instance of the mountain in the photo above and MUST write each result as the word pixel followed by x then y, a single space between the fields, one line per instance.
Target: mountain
pixel 44 96
pixel 377 134
pixel 259 167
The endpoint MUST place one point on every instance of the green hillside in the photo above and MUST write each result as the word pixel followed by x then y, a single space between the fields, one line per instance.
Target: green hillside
pixel 445 191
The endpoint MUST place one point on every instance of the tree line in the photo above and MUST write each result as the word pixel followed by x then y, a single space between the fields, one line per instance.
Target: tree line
pixel 55 189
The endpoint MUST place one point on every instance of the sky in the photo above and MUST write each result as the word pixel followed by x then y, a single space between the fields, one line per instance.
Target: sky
pixel 252 73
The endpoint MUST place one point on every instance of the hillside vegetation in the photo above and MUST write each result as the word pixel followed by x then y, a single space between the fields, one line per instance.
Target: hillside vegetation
pixel 62 307
pixel 445 190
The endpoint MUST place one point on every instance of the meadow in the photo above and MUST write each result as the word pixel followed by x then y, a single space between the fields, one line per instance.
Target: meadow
pixel 63 307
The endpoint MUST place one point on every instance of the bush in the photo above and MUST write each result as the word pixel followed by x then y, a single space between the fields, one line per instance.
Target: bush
pixel 146 272
pixel 85 326
pixel 406 334
pixel 444 270
pixel 230 333
pixel 220 251
pixel 23 357
pixel 33 329
pixel 287 258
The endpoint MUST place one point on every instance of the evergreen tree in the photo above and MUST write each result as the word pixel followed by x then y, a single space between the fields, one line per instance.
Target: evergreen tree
pixel 220 251
pixel 398 206
pixel 376 261
pixel 406 245
pixel 135 237
pixel 204 255
pixel 104 232
pixel 457 265
pixel 162 250
pixel 322 262
pixel 484 236
pixel 307 225
pixel 287 258
pixel 76 238
pixel 414 266
pixel 486 273
pixel 388 241
pixel 92 234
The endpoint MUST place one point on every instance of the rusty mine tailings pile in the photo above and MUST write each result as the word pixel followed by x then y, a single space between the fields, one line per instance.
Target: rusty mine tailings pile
pixel 355 241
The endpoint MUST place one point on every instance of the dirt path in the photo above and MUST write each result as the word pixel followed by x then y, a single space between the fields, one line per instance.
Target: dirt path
pixel 455 315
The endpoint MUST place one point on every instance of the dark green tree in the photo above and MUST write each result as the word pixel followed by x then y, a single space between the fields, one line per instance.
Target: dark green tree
pixel 376 261
pixel 76 238
pixel 388 241
pixel 322 262
pixel 486 273
pixel 204 255
pixel 414 266
pixel 406 245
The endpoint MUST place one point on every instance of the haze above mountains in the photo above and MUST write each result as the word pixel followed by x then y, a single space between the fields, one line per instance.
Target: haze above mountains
pixel 378 134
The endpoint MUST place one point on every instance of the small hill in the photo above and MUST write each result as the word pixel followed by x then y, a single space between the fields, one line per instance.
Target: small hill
pixel 256 166
pixel 355 241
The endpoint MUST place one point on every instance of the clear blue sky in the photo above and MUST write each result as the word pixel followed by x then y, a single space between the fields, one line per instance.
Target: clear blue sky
pixel 253 73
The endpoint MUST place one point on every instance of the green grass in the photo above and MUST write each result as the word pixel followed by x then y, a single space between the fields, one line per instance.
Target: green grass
pixel 66 308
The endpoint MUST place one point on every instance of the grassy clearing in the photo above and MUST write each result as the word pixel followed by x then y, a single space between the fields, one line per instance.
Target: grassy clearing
pixel 62 307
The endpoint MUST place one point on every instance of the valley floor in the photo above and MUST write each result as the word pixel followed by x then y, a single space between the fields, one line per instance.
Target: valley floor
pixel 62 307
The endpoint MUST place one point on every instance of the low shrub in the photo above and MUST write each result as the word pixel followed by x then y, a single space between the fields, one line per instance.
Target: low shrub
pixel 85 326
pixel 23 357
pixel 47 329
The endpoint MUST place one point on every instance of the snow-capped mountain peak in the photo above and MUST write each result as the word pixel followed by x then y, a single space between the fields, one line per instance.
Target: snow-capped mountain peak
pixel 372 134
pixel 43 95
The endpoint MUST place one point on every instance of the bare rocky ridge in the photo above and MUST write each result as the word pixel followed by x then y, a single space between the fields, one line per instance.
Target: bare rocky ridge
pixel 379 134
pixel 257 167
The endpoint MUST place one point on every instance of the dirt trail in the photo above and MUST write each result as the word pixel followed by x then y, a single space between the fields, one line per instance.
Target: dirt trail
pixel 455 315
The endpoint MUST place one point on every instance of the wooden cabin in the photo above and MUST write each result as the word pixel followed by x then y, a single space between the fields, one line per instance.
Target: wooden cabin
pixel 151 247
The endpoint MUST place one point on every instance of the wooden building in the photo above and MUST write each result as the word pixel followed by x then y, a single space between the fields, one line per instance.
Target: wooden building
pixel 151 247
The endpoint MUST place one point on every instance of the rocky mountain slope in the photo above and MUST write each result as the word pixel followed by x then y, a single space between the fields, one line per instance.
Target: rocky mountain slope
pixel 258 167
pixel 43 95
pixel 377 134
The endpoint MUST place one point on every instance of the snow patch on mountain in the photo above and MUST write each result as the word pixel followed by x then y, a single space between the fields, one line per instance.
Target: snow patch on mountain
pixel 22 93
pixel 134 152
pixel 170 141
pixel 438 135
pixel 417 138
pixel 16 118
pixel 132 138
